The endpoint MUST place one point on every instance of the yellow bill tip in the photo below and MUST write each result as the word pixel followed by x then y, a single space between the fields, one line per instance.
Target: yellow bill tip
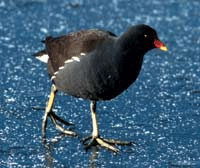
pixel 163 48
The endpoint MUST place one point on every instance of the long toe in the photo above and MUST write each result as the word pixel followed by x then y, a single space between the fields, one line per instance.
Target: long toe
pixel 60 119
pixel 59 127
pixel 104 144
pixel 118 142
pixel 97 141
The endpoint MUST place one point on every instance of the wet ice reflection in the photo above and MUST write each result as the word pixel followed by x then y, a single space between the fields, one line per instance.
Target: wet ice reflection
pixel 160 111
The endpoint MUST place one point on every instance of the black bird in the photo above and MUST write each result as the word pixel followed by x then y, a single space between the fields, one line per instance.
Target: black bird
pixel 95 65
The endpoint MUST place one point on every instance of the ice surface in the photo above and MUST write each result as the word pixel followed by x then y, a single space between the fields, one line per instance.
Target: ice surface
pixel 160 112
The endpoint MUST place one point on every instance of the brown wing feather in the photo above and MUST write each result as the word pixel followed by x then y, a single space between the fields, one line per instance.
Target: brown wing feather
pixel 65 47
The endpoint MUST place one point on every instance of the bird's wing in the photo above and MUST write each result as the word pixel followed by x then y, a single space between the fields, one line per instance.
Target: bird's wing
pixel 74 45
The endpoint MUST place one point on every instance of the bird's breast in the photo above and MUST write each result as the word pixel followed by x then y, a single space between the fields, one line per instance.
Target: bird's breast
pixel 110 78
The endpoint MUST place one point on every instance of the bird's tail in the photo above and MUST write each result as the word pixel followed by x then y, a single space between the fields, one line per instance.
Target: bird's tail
pixel 42 56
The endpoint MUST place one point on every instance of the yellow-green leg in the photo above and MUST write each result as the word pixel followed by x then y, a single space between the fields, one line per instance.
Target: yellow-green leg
pixel 95 137
pixel 53 116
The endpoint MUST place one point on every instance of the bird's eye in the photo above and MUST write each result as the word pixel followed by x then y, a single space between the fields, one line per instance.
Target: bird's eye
pixel 145 36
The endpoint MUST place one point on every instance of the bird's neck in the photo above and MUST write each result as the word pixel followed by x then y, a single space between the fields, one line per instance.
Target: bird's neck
pixel 129 51
pixel 129 58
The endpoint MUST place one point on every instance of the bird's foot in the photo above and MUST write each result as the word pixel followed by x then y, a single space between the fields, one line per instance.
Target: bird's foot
pixel 55 119
pixel 106 143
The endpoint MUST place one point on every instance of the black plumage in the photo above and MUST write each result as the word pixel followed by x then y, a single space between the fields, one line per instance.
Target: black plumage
pixel 96 64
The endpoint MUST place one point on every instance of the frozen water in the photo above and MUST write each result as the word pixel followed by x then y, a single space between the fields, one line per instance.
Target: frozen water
pixel 160 112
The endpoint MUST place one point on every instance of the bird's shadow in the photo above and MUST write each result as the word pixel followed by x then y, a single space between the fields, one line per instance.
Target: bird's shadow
pixel 49 146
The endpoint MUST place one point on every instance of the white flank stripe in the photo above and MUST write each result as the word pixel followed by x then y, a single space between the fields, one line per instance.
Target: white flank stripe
pixel 76 59
pixel 55 73
pixel 68 61
pixel 53 77
pixel 44 58
pixel 82 54
pixel 62 67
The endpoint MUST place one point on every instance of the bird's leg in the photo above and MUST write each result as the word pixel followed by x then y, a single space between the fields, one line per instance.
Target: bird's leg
pixel 95 131
pixel 53 116
pixel 48 109
pixel 96 139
